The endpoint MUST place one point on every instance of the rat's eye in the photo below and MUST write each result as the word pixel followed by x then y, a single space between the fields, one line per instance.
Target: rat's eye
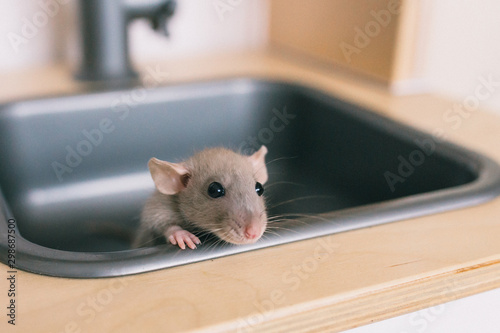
pixel 216 190
pixel 259 189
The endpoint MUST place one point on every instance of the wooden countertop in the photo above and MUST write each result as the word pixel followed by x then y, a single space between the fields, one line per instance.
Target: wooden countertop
pixel 330 283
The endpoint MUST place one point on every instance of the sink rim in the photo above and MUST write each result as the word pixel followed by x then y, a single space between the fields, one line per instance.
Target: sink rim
pixel 39 259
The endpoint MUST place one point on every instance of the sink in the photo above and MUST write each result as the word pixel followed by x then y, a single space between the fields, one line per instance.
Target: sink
pixel 73 169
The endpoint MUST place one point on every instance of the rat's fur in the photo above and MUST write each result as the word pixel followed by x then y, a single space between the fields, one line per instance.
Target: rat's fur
pixel 229 217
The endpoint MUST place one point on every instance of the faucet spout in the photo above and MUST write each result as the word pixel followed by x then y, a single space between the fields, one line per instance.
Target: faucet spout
pixel 103 26
pixel 158 11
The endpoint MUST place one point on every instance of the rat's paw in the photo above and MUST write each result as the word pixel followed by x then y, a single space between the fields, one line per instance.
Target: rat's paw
pixel 182 238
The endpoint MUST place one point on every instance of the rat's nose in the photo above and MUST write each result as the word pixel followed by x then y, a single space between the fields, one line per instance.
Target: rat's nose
pixel 252 231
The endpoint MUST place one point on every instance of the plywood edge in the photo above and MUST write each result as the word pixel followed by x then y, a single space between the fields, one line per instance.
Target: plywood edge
pixel 372 306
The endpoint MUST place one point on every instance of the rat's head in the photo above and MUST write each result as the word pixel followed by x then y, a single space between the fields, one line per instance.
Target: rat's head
pixel 218 190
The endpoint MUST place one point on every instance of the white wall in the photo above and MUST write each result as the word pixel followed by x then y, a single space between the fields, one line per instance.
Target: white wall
pixel 461 38
pixel 461 44
pixel 199 27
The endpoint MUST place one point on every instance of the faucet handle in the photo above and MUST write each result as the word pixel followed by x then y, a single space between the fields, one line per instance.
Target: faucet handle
pixel 160 20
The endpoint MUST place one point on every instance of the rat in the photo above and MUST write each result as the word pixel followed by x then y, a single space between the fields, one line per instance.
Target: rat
pixel 216 190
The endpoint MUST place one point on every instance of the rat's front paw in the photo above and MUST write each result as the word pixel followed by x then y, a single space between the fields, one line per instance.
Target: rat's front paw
pixel 178 236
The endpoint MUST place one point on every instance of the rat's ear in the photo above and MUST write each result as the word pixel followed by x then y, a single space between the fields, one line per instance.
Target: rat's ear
pixel 258 160
pixel 169 178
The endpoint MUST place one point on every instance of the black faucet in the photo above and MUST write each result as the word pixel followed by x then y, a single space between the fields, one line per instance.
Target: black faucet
pixel 103 26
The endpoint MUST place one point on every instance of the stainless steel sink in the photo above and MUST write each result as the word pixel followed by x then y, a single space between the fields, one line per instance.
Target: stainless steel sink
pixel 73 169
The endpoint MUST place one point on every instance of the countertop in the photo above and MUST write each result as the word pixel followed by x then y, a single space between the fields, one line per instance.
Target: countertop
pixel 329 284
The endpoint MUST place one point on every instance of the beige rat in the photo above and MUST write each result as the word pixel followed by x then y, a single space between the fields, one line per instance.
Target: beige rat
pixel 216 190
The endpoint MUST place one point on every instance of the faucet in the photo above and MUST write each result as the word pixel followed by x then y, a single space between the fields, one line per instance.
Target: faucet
pixel 103 26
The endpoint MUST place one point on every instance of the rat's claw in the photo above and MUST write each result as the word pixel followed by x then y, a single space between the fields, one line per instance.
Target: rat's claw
pixel 182 238
pixel 195 239
pixel 181 244
pixel 190 243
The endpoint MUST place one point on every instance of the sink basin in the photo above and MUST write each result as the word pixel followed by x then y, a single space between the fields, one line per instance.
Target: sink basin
pixel 73 169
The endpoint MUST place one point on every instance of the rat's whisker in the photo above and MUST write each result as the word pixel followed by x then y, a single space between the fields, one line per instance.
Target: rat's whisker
pixel 290 215
pixel 151 241
pixel 211 245
pixel 288 218
pixel 268 231
pixel 276 217
pixel 272 184
pixel 272 161
pixel 309 197
pixel 280 159
pixel 286 229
